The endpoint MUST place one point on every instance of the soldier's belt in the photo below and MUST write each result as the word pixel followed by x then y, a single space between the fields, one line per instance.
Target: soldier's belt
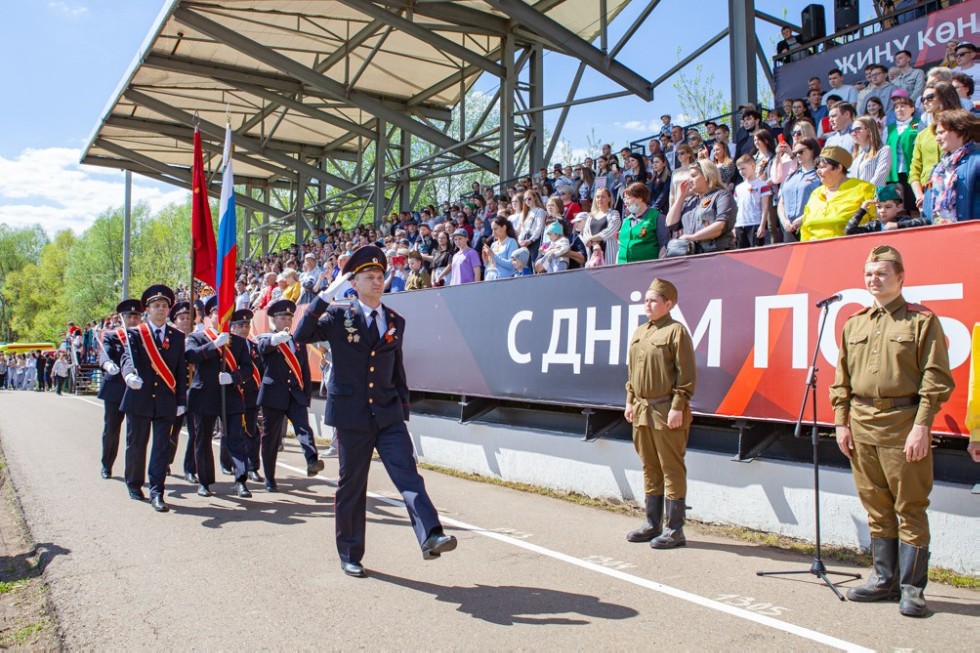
pixel 656 401
pixel 884 403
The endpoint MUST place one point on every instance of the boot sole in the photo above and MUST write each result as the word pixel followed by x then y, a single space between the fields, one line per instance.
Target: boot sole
pixel 668 546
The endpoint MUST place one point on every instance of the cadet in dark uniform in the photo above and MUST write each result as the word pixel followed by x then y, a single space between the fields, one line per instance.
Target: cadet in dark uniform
pixel 662 376
pixel 368 404
pixel 241 325
pixel 113 387
pixel 892 377
pixel 155 372
pixel 285 392
pixel 180 317
pixel 221 360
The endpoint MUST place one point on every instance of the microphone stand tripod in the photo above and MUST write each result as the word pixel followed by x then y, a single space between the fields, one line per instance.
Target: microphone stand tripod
pixel 817 567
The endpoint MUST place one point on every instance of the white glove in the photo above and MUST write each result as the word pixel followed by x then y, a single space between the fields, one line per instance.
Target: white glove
pixel 110 368
pixel 280 337
pixel 332 290
pixel 224 378
pixel 221 340
pixel 180 410
pixel 134 381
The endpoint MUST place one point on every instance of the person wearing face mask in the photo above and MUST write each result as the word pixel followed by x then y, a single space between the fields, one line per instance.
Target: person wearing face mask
pixel 638 233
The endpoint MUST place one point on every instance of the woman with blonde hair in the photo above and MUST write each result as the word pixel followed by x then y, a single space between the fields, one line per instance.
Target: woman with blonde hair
pixel 529 224
pixel 872 160
pixel 601 229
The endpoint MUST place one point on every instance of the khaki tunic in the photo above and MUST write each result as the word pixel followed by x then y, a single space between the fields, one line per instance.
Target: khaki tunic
pixel 893 352
pixel 661 366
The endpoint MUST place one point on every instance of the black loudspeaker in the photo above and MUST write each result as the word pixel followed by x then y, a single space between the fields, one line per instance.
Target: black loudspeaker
pixel 845 14
pixel 813 23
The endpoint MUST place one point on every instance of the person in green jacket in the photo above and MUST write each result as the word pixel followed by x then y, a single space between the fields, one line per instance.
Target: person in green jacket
pixel 638 235
pixel 900 136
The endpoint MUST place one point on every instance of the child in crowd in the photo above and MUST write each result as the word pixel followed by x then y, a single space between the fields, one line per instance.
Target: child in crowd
pixel 519 259
pixel 553 256
pixel 397 274
pixel 418 276
pixel 752 197
pixel 890 204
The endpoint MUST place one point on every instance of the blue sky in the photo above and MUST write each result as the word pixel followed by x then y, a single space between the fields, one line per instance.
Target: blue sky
pixel 63 59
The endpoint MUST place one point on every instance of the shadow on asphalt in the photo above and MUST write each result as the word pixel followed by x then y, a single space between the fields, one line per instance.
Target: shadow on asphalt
pixel 508 605
pixel 30 564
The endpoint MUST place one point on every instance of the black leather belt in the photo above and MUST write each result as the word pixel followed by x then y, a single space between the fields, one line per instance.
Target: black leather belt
pixel 884 403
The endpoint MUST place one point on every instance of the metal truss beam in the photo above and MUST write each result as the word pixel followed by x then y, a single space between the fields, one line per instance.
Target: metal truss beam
pixel 454 12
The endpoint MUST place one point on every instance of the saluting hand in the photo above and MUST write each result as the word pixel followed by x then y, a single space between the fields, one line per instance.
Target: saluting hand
pixel 332 290
pixel 845 442
pixel 917 443
pixel 280 337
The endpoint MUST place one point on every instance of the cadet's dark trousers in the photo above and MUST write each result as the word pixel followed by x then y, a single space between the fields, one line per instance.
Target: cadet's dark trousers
pixel 112 420
pixel 203 452
pixel 233 437
pixel 175 439
pixel 299 417
pixel 137 437
pixel 354 450
pixel 190 466
pixel 253 437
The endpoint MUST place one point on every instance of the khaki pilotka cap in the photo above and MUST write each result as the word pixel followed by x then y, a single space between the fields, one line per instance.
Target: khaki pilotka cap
pixel 885 253
pixel 665 288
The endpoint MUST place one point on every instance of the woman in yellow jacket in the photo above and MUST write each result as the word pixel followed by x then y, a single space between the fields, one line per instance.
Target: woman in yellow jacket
pixel 837 199
pixel 293 288
pixel 937 96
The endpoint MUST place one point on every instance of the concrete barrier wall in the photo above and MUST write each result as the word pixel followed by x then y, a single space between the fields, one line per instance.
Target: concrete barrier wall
pixel 770 496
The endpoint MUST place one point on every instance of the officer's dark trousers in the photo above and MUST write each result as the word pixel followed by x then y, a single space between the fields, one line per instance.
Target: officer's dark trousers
pixel 190 466
pixel 354 450
pixel 112 420
pixel 137 437
pixel 299 417
pixel 253 437
pixel 175 439
pixel 203 452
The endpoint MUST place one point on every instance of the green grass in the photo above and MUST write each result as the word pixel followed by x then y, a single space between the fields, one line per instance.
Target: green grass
pixel 11 586
pixel 25 634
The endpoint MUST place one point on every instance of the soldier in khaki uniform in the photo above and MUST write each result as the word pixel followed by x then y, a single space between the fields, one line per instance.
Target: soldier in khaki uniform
pixel 892 377
pixel 661 381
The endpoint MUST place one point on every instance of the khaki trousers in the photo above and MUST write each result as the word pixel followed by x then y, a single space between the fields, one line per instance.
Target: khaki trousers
pixel 894 491
pixel 662 455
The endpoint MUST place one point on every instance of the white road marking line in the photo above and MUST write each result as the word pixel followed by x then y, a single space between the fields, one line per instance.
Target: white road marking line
pixel 690 597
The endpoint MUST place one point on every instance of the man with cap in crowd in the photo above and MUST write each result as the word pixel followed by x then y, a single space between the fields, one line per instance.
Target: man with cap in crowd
pixel 286 391
pixel 180 317
pixel 155 372
pixel 661 379
pixel 113 387
pixel 893 376
pixel 221 364
pixel 241 325
pixel 368 404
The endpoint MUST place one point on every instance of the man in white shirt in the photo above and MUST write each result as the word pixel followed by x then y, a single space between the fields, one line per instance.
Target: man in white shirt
pixel 965 53
pixel 837 87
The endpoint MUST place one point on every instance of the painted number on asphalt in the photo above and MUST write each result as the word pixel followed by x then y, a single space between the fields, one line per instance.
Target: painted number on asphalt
pixel 747 602
pixel 510 532
pixel 612 563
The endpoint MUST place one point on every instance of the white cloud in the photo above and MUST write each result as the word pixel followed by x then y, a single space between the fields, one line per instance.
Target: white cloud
pixel 50 188
pixel 645 126
pixel 68 10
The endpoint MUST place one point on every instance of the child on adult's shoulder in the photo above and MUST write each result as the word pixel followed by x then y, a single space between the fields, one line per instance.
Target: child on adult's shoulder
pixel 554 253
pixel 889 202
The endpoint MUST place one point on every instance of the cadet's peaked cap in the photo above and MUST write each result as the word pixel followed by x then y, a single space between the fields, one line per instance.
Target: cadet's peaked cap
pixel 179 309
pixel 210 304
pixel 665 288
pixel 369 256
pixel 282 307
pixel 885 253
pixel 242 315
pixel 159 291
pixel 129 306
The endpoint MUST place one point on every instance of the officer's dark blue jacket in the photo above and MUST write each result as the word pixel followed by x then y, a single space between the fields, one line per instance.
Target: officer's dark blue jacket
pixel 204 397
pixel 251 387
pixel 154 399
pixel 366 382
pixel 113 387
pixel 278 381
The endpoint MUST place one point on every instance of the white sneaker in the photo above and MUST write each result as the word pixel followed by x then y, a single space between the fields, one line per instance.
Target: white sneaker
pixel 331 452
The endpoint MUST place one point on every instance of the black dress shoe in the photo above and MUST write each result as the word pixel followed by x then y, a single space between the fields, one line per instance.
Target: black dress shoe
pixel 158 504
pixel 242 491
pixel 190 478
pixel 436 544
pixel 270 486
pixel 106 472
pixel 226 471
pixel 203 491
pixel 137 495
pixel 313 468
pixel 353 569
pixel 254 476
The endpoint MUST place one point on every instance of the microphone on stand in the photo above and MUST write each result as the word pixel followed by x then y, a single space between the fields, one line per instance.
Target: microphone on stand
pixel 833 299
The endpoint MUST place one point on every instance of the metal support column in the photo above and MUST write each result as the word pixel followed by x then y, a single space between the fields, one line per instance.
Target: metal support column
pixel 265 221
pixel 127 229
pixel 298 207
pixel 381 146
pixel 405 185
pixel 536 117
pixel 246 246
pixel 508 86
pixel 741 38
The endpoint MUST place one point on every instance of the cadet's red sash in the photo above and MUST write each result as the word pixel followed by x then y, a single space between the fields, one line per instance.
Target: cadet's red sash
pixel 255 368
pixel 156 359
pixel 121 334
pixel 230 361
pixel 292 362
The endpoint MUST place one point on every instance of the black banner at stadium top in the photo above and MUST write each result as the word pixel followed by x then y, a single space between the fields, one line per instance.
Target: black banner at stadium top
pixel 562 338
pixel 924 37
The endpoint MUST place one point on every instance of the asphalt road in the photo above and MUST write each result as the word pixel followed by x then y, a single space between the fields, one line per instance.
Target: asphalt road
pixel 530 572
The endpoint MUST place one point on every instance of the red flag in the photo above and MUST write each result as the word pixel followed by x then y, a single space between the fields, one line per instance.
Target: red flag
pixel 202 229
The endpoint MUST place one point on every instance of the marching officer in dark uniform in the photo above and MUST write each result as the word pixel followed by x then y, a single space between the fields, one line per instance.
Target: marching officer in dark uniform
pixel 285 392
pixel 221 360
pixel 892 378
pixel 155 372
pixel 241 325
pixel 113 387
pixel 180 317
pixel 368 404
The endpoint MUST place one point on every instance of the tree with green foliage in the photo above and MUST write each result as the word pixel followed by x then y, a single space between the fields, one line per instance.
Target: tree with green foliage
pixel 18 247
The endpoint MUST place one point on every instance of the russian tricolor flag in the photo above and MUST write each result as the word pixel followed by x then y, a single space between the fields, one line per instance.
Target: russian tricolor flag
pixel 227 241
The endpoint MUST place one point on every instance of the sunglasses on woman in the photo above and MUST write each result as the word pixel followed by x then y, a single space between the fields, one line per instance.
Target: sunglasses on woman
pixel 928 98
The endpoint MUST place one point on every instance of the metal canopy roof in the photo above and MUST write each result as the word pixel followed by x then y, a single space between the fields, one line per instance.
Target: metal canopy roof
pixel 306 81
